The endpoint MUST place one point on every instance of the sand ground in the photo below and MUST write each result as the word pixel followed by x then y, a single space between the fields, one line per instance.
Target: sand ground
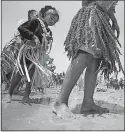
pixel 39 116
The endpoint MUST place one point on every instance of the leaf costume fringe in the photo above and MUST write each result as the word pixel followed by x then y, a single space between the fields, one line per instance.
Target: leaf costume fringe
pixel 18 48
pixel 8 57
pixel 91 20
pixel 30 50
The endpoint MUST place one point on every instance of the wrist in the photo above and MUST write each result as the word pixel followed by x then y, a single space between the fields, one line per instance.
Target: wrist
pixel 34 37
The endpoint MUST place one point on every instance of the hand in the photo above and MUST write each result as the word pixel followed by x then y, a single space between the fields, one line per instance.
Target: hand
pixel 36 39
pixel 116 27
pixel 48 37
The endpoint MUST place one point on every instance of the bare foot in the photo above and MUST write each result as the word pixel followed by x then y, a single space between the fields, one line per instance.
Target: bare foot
pixel 93 109
pixel 17 92
pixel 26 100
pixel 7 99
pixel 62 111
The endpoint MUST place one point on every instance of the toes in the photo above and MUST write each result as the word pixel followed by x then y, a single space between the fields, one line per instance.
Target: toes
pixel 66 115
pixel 7 99
pixel 63 112
pixel 105 110
pixel 94 110
pixel 26 101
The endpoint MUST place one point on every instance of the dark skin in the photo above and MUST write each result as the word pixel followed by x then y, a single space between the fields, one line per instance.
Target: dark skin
pixel 50 19
pixel 17 77
pixel 76 68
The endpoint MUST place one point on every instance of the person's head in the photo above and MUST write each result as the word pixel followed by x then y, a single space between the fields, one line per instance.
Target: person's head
pixel 49 14
pixel 32 14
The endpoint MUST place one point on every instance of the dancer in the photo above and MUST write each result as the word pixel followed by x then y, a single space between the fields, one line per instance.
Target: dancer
pixel 35 34
pixel 10 52
pixel 91 44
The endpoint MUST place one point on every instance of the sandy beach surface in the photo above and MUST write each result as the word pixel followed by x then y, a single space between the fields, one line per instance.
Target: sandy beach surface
pixel 39 116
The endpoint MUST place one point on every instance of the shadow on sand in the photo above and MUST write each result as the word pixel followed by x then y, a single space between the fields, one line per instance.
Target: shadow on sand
pixel 113 108
pixel 34 99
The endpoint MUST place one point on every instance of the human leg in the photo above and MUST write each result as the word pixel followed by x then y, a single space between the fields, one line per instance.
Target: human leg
pixel 72 75
pixel 88 104
pixel 28 85
pixel 15 80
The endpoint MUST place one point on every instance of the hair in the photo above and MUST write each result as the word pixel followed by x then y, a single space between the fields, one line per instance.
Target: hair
pixel 30 12
pixel 45 9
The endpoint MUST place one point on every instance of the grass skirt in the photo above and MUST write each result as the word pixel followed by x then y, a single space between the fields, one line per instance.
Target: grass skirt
pixel 36 55
pixel 9 56
pixel 90 21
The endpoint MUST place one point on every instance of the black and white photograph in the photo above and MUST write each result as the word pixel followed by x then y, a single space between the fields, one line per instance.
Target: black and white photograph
pixel 62 65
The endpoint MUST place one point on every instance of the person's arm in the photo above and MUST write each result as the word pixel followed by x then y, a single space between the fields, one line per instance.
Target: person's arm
pixel 49 34
pixel 114 22
pixel 25 29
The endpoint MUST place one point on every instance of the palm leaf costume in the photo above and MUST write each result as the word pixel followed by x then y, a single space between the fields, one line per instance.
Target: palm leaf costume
pixel 13 52
pixel 91 20
pixel 8 58
pixel 34 52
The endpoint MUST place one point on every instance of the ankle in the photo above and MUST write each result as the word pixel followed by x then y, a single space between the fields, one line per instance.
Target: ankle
pixel 10 95
pixel 88 101
pixel 60 101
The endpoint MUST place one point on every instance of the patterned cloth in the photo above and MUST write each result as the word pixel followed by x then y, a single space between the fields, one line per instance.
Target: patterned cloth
pixel 91 24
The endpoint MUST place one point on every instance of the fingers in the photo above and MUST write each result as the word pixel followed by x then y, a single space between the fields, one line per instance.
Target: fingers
pixel 48 38
pixel 37 41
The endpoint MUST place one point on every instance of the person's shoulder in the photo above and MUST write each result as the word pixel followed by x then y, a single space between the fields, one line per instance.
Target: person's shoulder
pixel 34 20
pixel 20 22
pixel 107 4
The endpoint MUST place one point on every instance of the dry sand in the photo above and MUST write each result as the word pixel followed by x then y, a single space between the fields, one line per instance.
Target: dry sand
pixel 39 116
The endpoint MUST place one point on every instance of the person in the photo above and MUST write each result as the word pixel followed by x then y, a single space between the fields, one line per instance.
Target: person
pixel 35 35
pixel 91 43
pixel 11 49
pixel 17 36
pixel 42 82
